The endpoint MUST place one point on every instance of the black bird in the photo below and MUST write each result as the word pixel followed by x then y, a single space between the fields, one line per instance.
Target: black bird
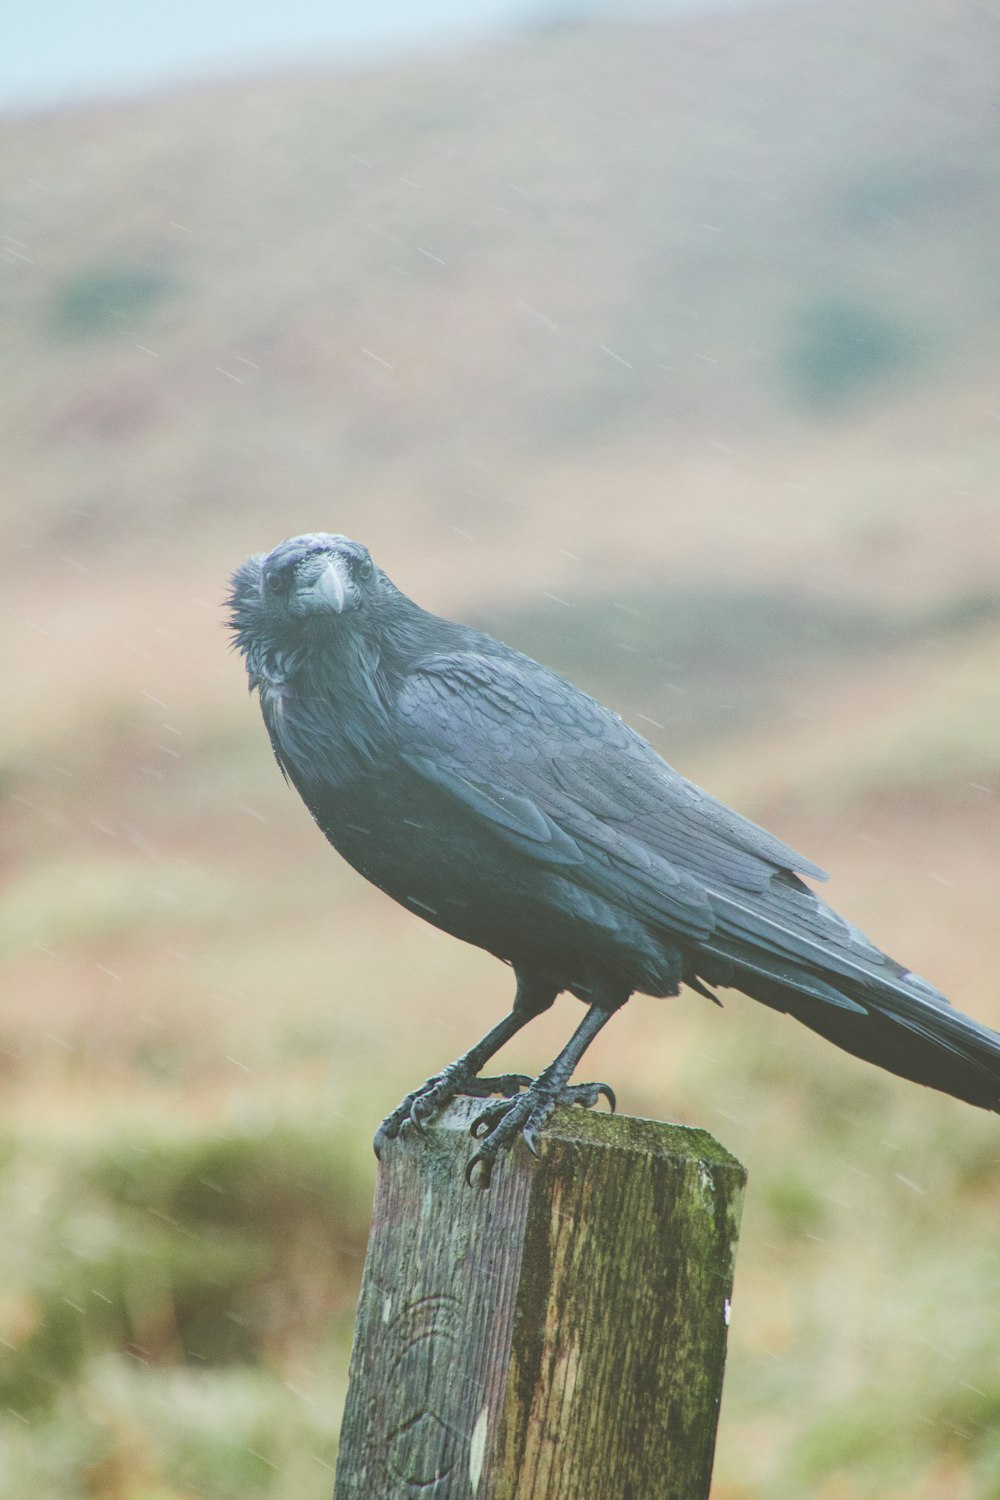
pixel 505 806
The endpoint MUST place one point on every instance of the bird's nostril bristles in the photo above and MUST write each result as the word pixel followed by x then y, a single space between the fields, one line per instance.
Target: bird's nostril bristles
pixel 331 584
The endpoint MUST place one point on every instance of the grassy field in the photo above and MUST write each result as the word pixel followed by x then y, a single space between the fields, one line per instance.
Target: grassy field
pixel 207 1015
pixel 700 408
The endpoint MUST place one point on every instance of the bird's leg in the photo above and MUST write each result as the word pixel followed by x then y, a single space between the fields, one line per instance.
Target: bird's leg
pixel 459 1077
pixel 462 1076
pixel 501 1123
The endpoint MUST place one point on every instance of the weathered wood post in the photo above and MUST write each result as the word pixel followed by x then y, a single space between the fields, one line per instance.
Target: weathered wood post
pixel 561 1336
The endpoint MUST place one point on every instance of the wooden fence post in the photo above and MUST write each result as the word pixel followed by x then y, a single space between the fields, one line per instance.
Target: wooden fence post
pixel 560 1336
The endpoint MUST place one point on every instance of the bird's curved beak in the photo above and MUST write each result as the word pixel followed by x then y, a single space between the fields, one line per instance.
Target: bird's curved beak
pixel 331 585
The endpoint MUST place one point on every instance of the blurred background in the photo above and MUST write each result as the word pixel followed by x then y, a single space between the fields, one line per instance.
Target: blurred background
pixel 661 341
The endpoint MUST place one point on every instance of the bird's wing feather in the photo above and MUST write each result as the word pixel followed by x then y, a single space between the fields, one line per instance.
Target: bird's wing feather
pixel 515 817
pixel 551 768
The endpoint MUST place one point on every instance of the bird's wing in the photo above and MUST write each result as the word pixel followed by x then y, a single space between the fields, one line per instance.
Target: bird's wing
pixel 566 780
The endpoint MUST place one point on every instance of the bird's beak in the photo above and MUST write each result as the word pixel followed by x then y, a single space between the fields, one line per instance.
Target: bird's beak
pixel 331 585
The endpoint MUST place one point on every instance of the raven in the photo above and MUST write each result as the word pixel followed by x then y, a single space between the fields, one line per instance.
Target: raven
pixel 505 806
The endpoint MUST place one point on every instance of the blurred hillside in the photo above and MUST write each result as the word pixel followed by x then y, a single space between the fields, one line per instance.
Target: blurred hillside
pixel 670 355
pixel 715 276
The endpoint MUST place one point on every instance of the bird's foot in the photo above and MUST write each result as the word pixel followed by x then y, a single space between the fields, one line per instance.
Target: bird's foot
pixel 418 1108
pixel 499 1124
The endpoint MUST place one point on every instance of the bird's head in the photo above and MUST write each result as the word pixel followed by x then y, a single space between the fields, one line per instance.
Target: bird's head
pixel 315 576
pixel 280 598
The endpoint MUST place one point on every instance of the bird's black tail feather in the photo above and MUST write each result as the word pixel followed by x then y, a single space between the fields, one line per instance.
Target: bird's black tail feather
pixel 903 1025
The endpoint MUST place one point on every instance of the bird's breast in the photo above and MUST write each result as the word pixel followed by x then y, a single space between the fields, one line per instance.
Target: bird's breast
pixel 272 700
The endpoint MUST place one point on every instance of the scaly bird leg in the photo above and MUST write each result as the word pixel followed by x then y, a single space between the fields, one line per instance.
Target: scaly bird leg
pixel 500 1124
pixel 460 1077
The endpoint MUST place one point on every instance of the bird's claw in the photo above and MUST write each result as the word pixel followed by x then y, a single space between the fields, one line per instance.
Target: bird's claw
pixel 421 1110
pixel 418 1108
pixel 486 1170
pixel 499 1124
pixel 587 1095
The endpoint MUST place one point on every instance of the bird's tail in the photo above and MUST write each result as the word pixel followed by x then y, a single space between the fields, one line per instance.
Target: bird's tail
pixel 900 1023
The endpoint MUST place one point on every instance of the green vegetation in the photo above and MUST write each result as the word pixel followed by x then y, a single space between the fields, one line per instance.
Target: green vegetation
pixel 179 1278
pixel 159 1284
pixel 141 1433
pixel 699 660
pixel 191 1246
pixel 61 902
pixel 696 659
pixel 95 303
pixel 839 351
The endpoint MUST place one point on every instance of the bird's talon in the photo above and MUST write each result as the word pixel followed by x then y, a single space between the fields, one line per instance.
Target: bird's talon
pixel 484 1163
pixel 521 1110
pixel 479 1127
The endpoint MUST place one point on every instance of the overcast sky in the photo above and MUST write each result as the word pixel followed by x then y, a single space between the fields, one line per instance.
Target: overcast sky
pixel 65 51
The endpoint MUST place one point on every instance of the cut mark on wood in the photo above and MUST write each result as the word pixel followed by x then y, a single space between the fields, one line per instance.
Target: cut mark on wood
pixel 423 1321
pixel 421 1451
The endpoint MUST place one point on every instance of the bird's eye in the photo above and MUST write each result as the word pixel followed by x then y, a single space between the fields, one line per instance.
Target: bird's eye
pixel 365 569
pixel 274 581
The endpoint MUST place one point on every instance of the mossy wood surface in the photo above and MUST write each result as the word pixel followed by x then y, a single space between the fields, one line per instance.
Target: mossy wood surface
pixel 560 1336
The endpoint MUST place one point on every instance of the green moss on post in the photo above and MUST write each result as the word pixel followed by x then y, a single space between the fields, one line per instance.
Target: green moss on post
pixel 559 1337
